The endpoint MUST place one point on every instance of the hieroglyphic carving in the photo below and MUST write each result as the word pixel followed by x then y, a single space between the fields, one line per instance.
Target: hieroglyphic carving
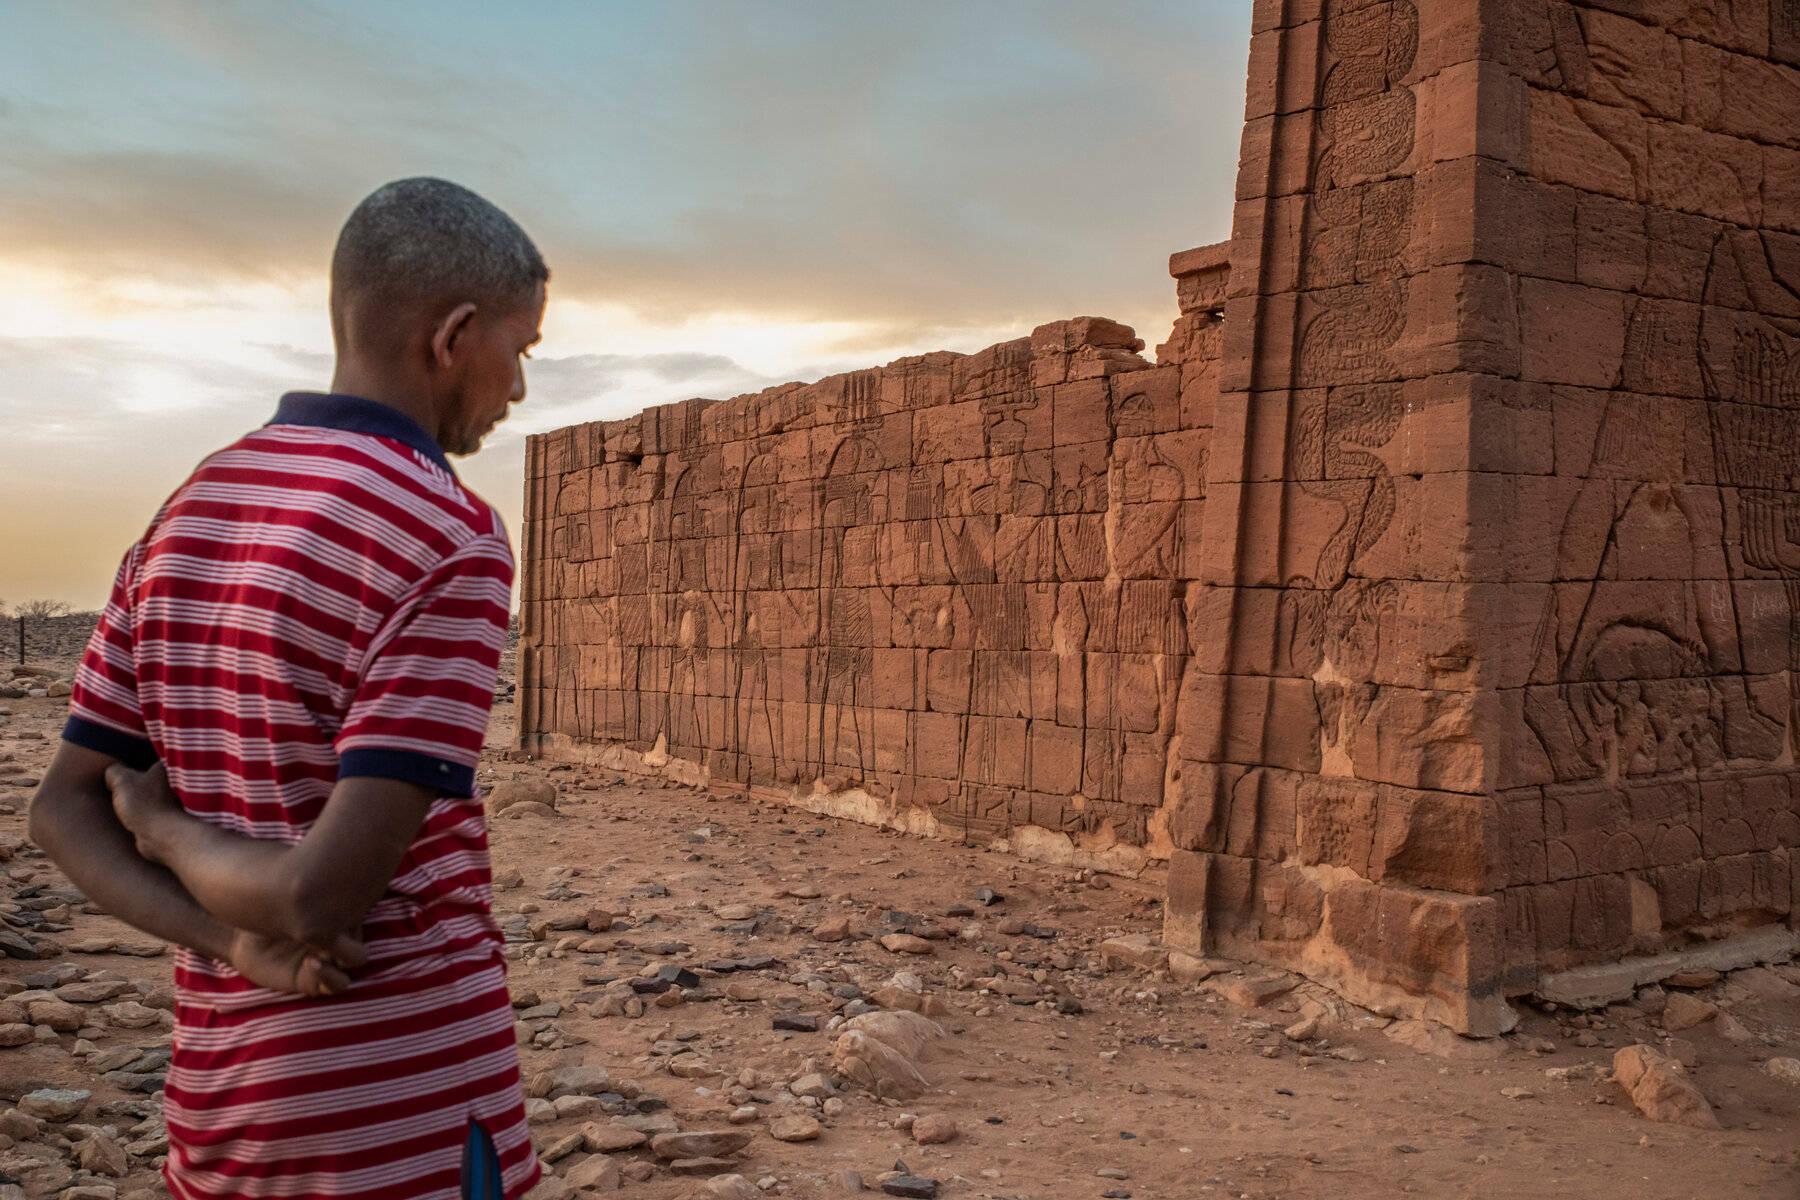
pixel 1361 218
pixel 1360 213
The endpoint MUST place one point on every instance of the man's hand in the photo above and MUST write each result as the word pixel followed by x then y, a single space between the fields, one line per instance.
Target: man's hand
pixel 147 807
pixel 309 892
pixel 287 966
pixel 145 804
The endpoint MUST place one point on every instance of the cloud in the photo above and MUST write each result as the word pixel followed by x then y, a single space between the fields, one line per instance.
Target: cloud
pixel 100 430
pixel 787 189
pixel 937 164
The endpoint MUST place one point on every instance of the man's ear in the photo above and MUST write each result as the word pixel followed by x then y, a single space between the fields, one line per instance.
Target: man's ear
pixel 448 329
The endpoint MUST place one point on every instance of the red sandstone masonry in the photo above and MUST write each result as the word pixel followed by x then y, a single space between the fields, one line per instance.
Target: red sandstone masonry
pixel 952 586
pixel 1432 607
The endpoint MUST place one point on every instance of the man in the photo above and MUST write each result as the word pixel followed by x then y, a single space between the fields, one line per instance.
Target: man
pixel 271 752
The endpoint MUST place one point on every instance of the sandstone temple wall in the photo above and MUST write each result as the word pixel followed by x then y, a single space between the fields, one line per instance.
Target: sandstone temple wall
pixel 946 593
pixel 1432 607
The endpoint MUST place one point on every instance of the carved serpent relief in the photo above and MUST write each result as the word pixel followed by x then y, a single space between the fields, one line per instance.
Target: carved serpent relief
pixel 1360 217
pixel 1360 214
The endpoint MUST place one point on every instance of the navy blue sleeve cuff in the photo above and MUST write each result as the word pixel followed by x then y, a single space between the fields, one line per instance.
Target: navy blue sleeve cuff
pixel 135 752
pixel 439 774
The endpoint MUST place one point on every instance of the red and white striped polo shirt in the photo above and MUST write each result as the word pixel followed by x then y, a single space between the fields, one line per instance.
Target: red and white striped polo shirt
pixel 324 599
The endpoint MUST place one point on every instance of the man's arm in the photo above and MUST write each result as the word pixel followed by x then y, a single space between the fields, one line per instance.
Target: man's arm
pixel 413 732
pixel 72 820
pixel 308 892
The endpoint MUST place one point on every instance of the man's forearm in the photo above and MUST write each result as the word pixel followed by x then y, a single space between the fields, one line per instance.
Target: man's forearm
pixel 309 892
pixel 79 831
pixel 247 882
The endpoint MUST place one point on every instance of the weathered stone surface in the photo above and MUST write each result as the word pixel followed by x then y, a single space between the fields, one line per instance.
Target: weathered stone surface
pixel 597 1173
pixel 1683 1011
pixel 702 1143
pixel 732 1187
pixel 102 1154
pixel 54 1104
pixel 1251 991
pixel 1429 606
pixel 934 1128
pixel 701 1166
pixel 1136 949
pixel 906 943
pixel 57 1014
pixel 508 792
pixel 1429 1037
pixel 796 1128
pixel 1660 1088
pixel 609 1137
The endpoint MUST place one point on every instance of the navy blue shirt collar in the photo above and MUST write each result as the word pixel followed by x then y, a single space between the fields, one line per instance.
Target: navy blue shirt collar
pixel 335 410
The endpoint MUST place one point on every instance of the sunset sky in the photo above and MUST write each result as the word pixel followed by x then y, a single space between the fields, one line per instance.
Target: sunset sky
pixel 730 194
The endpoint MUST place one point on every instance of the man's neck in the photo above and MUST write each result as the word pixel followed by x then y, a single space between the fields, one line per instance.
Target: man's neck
pixel 408 397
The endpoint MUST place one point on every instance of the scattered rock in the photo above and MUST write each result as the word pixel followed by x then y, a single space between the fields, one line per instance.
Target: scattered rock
pixel 882 1052
pixel 1187 969
pixel 732 1187
pixel 102 1154
pixel 610 1137
pixel 561 1148
pixel 594 1173
pixel 1692 979
pixel 934 1128
pixel 1572 1072
pixel 700 1143
pixel 1684 1011
pixel 1252 991
pixel 55 1104
pixel 832 931
pixel 129 1014
pixel 510 792
pixel 1136 950
pixel 813 1084
pixel 1660 1087
pixel 92 991
pixel 1785 1069
pixel 57 1014
pixel 700 1166
pixel 910 1185
pixel 1732 1029
pixel 797 1128
pixel 906 943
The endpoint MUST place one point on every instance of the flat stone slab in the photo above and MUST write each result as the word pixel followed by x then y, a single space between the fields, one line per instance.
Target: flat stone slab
pixel 1596 987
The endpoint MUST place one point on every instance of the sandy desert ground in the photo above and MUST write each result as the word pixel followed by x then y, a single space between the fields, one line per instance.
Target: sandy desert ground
pixel 1064 1072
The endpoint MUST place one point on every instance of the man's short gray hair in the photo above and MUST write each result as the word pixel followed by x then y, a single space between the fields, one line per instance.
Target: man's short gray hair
pixel 429 242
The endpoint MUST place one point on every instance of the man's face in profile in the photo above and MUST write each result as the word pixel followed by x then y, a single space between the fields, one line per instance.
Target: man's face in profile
pixel 494 379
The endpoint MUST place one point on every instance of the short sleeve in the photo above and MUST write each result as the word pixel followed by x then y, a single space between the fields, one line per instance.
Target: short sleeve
pixel 420 713
pixel 105 713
